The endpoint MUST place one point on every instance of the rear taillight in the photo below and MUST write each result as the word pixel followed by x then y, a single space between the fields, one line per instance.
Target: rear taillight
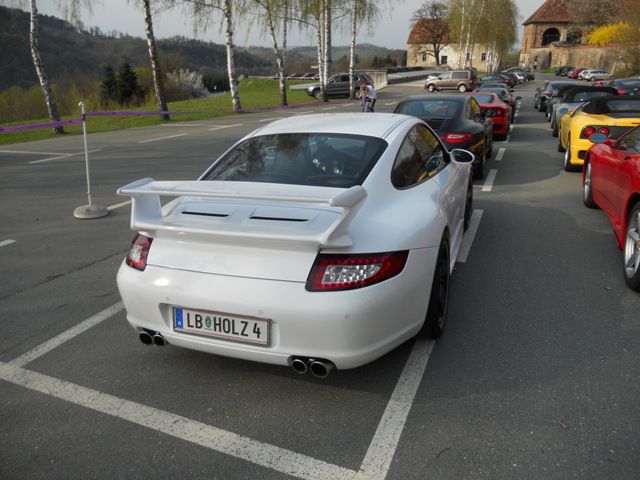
pixel 137 257
pixel 604 130
pixel 458 137
pixel 621 91
pixel 331 272
pixel 588 131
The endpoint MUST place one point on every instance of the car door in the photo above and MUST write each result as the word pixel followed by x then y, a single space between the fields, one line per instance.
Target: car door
pixel 338 85
pixel 621 171
pixel 445 80
pixel 474 115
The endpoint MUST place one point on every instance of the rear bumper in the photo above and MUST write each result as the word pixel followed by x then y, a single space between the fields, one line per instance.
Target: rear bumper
pixel 349 328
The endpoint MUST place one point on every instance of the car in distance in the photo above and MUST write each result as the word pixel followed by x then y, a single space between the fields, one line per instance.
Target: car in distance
pixel 505 96
pixel 593 75
pixel 338 85
pixel 318 242
pixel 611 181
pixel 504 79
pixel 461 80
pixel 626 86
pixel 612 115
pixel 546 91
pixel 571 99
pixel 459 122
pixel 497 110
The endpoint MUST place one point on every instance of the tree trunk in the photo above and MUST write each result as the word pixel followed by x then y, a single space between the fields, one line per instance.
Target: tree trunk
pixel 158 84
pixel 352 54
pixel 37 63
pixel 327 45
pixel 278 54
pixel 320 41
pixel 231 66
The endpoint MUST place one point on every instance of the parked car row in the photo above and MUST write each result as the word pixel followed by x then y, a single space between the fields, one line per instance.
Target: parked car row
pixel 582 73
pixel 468 80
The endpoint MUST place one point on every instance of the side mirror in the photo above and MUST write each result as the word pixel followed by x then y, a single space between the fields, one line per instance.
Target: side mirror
pixel 462 156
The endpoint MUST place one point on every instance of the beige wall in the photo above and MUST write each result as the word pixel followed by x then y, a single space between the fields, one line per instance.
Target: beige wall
pixel 415 58
pixel 577 55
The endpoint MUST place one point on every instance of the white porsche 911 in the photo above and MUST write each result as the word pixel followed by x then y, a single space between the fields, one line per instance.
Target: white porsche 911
pixel 317 241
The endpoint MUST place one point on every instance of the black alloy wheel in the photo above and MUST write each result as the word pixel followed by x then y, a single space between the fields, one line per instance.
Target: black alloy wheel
pixel 587 186
pixel 632 249
pixel 439 297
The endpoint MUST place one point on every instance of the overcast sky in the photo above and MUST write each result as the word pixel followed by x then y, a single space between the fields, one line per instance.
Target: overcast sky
pixel 391 30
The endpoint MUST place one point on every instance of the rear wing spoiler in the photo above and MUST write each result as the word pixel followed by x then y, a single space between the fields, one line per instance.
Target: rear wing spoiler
pixel 147 213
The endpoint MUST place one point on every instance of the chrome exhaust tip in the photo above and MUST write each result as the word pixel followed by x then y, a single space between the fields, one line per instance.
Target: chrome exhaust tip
pixel 321 368
pixel 145 337
pixel 299 365
pixel 159 340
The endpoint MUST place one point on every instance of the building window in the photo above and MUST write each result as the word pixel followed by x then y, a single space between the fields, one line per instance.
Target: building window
pixel 424 57
pixel 550 35
pixel 443 60
pixel 483 57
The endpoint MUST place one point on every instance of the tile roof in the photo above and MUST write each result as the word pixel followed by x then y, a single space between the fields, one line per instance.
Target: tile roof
pixel 551 11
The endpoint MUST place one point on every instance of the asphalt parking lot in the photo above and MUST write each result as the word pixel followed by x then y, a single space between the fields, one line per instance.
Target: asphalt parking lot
pixel 535 377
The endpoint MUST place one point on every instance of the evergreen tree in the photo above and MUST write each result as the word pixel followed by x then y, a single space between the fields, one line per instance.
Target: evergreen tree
pixel 108 86
pixel 128 87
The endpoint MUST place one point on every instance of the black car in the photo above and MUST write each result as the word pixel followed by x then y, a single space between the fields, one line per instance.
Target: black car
pixel 626 86
pixel 507 80
pixel 338 85
pixel 545 92
pixel 458 121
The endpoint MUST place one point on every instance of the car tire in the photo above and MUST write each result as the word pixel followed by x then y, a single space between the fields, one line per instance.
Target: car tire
pixel 500 137
pixel 462 88
pixel 317 94
pixel 560 147
pixel 431 87
pixel 554 128
pixel 489 141
pixel 468 206
pixel 479 168
pixel 358 94
pixel 631 252
pixel 540 106
pixel 436 316
pixel 587 186
pixel 568 166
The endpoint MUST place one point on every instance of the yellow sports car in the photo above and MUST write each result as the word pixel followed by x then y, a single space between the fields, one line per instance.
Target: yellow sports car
pixel 612 116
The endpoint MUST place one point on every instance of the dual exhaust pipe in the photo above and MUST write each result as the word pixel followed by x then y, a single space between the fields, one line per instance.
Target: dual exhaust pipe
pixel 318 367
pixel 149 337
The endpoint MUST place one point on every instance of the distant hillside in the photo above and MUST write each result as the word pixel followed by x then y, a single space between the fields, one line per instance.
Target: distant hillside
pixel 66 50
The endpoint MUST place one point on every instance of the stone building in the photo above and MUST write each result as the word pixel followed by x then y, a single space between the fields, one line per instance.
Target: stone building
pixel 551 39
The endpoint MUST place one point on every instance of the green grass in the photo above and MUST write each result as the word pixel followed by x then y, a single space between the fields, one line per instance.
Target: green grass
pixel 255 93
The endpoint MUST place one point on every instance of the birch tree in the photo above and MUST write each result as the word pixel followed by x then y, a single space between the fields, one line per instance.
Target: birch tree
pixel 499 31
pixel 276 17
pixel 362 11
pixel 158 81
pixel 464 18
pixel 34 42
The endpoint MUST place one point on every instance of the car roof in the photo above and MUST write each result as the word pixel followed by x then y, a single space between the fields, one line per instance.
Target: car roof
pixel 454 97
pixel 600 105
pixel 570 93
pixel 378 125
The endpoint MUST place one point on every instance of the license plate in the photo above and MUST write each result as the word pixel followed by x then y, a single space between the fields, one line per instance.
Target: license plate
pixel 221 325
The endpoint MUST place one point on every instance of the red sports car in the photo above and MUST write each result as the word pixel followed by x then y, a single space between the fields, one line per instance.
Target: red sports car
pixel 611 181
pixel 496 109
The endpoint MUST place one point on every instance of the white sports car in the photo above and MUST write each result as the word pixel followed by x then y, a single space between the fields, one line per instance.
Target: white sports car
pixel 316 241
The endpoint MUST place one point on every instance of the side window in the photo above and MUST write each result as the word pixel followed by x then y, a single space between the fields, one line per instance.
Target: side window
pixel 474 109
pixel 445 76
pixel 459 75
pixel 432 153
pixel 420 157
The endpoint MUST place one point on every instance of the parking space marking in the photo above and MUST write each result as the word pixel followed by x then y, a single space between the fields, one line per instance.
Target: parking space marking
pixel 162 138
pixel 6 242
pixel 184 125
pixel 33 153
pixel 269 119
pixel 377 460
pixel 500 154
pixel 329 108
pixel 347 105
pixel 303 113
pixel 67 335
pixel 488 183
pixel 60 157
pixel 118 205
pixel 244 448
pixel 220 127
pixel 392 103
pixel 469 236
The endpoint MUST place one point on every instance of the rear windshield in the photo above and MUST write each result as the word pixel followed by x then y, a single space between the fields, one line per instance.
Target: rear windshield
pixel 483 98
pixel 584 96
pixel 329 160
pixel 626 105
pixel 429 108
pixel 628 83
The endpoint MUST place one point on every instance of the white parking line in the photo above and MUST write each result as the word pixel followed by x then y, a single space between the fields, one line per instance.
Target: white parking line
pixel 500 154
pixel 162 138
pixel 469 236
pixel 118 205
pixel 488 183
pixel 385 441
pixel 60 157
pixel 329 108
pixel 33 153
pixel 260 453
pixel 304 113
pixel 184 125
pixel 6 242
pixel 269 119
pixel 220 127
pixel 58 340
pixel 348 105
pixel 392 103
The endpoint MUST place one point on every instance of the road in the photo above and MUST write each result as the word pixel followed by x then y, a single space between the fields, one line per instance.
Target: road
pixel 535 377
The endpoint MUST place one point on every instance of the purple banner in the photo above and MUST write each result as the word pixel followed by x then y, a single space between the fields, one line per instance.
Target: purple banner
pixel 110 114
pixel 34 126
